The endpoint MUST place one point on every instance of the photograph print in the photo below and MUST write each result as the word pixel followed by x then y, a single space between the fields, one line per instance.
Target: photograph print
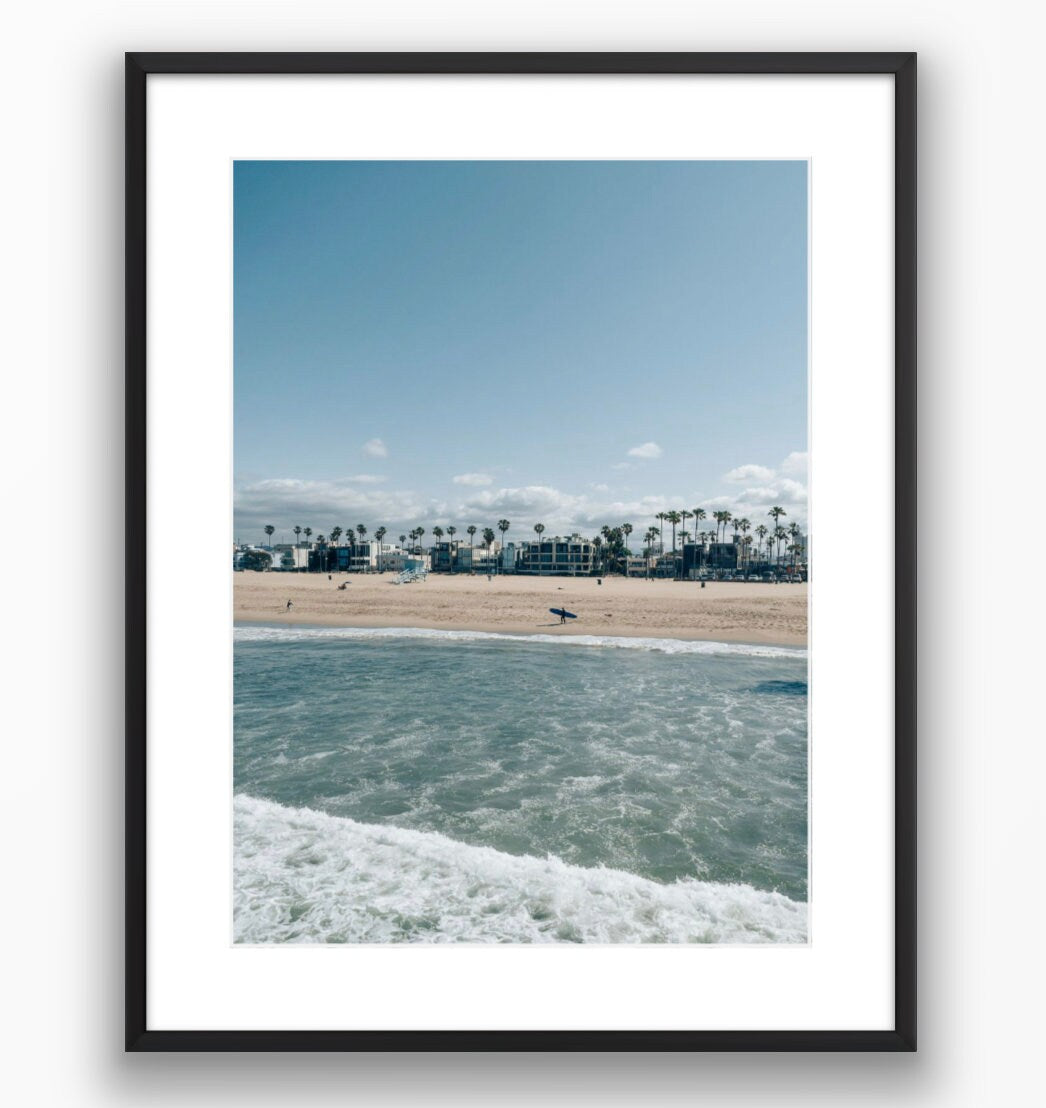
pixel 521 552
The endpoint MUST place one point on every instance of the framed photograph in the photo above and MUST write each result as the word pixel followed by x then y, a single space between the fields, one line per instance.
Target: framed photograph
pixel 540 670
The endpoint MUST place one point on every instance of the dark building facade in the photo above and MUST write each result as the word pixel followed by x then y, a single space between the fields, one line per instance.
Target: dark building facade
pixel 716 557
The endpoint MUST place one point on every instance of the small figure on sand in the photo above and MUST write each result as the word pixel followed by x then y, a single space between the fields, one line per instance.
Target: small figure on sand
pixel 562 617
pixel 289 605
pixel 341 587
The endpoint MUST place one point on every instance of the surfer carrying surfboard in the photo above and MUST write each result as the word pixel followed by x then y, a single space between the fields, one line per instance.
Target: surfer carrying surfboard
pixel 563 614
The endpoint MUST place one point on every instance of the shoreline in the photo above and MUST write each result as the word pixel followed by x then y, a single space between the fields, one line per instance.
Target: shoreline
pixel 571 630
pixel 729 612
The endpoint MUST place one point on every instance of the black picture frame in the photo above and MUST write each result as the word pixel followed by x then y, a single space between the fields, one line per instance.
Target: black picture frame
pixel 902 66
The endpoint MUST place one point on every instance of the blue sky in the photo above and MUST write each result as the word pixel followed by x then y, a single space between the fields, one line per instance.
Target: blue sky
pixel 573 343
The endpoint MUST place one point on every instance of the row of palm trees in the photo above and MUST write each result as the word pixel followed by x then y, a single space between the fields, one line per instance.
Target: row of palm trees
pixel 611 543
pixel 777 534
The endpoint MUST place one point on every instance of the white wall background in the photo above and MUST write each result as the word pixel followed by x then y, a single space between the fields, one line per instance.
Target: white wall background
pixel 981 241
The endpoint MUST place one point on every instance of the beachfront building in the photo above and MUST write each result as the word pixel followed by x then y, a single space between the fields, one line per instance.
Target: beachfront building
pixel 445 557
pixel 665 565
pixel 290 556
pixel 638 567
pixel 460 557
pixel 709 559
pixel 558 557
pixel 358 557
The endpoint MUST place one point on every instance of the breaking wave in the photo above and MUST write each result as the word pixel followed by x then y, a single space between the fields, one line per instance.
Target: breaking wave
pixel 305 877
pixel 244 633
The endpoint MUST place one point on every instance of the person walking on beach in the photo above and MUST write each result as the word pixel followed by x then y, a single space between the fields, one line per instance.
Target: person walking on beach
pixel 289 605
pixel 562 615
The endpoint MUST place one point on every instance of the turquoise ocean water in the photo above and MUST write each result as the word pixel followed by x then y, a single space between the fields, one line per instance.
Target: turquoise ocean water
pixel 433 786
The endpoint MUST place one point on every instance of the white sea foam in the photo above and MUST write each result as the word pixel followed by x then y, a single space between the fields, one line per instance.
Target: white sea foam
pixel 302 876
pixel 265 633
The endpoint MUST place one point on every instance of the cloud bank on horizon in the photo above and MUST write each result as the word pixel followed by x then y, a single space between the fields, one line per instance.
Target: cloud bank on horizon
pixel 348 501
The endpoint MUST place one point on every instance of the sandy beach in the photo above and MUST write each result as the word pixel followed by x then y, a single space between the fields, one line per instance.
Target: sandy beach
pixel 727 611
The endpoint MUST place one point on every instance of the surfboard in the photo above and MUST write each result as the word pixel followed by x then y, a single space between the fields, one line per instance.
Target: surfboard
pixel 562 612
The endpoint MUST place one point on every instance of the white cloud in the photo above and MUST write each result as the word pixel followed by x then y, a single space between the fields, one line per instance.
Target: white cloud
pixel 755 502
pixel 795 465
pixel 375 448
pixel 561 512
pixel 366 498
pixel 286 502
pixel 646 450
pixel 749 473
pixel 475 480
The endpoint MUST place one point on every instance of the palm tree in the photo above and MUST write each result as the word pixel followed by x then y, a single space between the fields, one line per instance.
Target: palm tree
pixel 606 547
pixel 437 534
pixel 617 549
pixel 539 530
pixel 626 530
pixel 420 531
pixel 684 515
pixel 380 536
pixel 776 512
pixel 597 546
pixel 403 539
pixel 793 534
pixel 488 538
pixel 744 526
pixel 335 535
pixel 471 529
pixel 780 534
pixel 451 532
pixel 673 517
pixel 503 526
pixel 761 531
pixel 297 534
pixel 662 516
pixel 698 515
pixel 269 530
pixel 651 537
pixel 308 535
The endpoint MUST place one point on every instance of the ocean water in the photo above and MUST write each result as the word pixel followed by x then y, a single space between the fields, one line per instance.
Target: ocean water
pixel 402 785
